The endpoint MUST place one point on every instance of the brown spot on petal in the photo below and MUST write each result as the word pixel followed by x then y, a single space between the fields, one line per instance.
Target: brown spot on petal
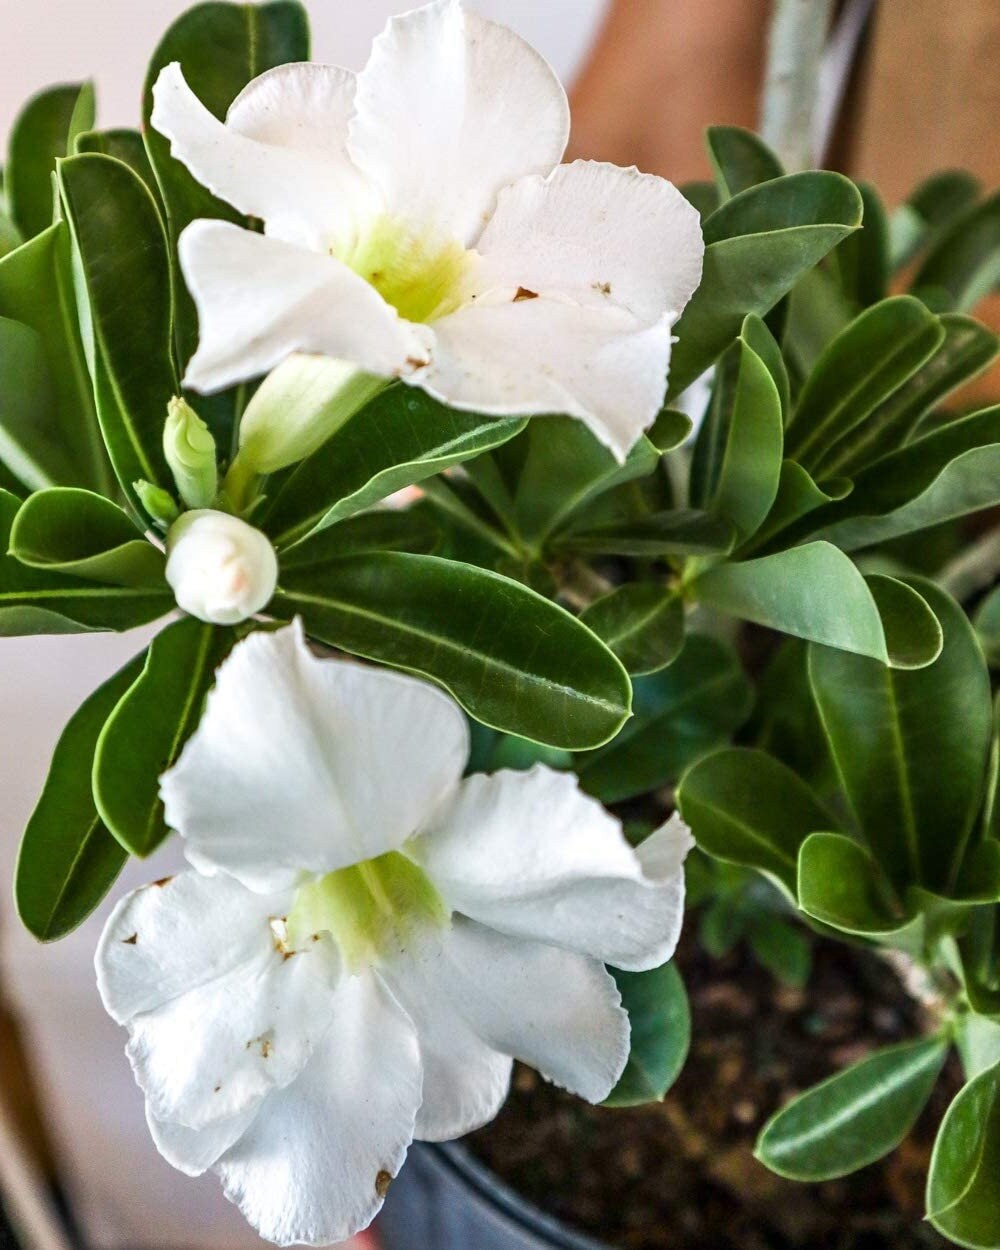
pixel 603 287
pixel 416 363
pixel 130 941
pixel 263 1044
pixel 162 882
pixel 523 293
pixel 382 1183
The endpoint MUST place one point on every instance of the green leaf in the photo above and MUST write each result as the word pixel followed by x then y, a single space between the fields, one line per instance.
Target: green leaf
pixel 931 208
pixel 784 949
pixel 68 860
pixel 77 532
pixel 797 496
pixel 815 592
pixel 642 623
pixel 514 660
pixel 220 47
pixel 385 529
pixel 36 288
pixel 146 731
pixel 124 145
pixel 841 884
pixel 670 430
pixel 681 713
pixel 30 443
pixel 963 1188
pixel 756 335
pixel 566 467
pixel 36 601
pixel 950 472
pixel 740 160
pixel 402 437
pixel 855 1117
pixel 128 288
pixel 44 131
pixel 757 245
pixel 862 261
pixel 660 1017
pixel 748 808
pixel 679 532
pixel 987 623
pixel 865 364
pixel 911 748
pixel 965 261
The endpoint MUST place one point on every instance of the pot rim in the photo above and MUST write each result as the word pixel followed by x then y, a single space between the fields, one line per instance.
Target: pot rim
pixel 459 1162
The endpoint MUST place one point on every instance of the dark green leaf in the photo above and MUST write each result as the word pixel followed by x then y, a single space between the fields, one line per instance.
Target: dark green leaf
pixel 963 1188
pixel 797 496
pixel 815 592
pixel 862 262
pixel 658 1012
pixel 68 860
pixel 911 747
pixel 784 949
pixel 402 437
pixel 385 529
pixel 144 734
pixel 514 660
pixel 30 443
pixel 854 1117
pixel 965 261
pixel 123 145
pixel 740 160
pixel 642 623
pixel 128 288
pixel 758 244
pixel 987 622
pixel 682 713
pixel 841 884
pixel 748 808
pixel 757 336
pixel 77 532
pixel 930 210
pixel 44 131
pixel 670 430
pixel 684 532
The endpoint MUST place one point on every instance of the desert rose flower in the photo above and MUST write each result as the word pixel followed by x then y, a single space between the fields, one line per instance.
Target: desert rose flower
pixel 220 569
pixel 418 224
pixel 367 939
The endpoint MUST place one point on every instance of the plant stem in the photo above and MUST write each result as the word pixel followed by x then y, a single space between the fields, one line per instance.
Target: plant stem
pixel 795 50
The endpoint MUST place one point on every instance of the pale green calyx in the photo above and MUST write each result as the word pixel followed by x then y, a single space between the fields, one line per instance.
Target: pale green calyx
pixel 371 909
pixel 158 503
pixel 190 452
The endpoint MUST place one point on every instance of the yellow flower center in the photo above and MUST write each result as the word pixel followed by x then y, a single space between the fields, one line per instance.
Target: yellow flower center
pixel 371 909
pixel 422 278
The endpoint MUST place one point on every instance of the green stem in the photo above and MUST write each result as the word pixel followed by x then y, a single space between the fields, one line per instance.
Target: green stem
pixel 795 50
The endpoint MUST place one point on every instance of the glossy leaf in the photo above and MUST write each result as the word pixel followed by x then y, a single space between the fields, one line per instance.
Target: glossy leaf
pixel 855 1117
pixel 642 623
pixel 682 713
pixel 758 244
pixel 514 660
pixel 124 145
pixel 965 261
pixel 797 496
pixel 963 1188
pixel 815 592
pixel 929 211
pixel 862 262
pixel 679 532
pixel 755 333
pixel 36 288
pixel 947 473
pixel 748 808
pixel 660 1017
pixel 841 884
pixel 77 532
pixel 68 860
pixel 147 729
pixel 44 131
pixel 128 288
pixel 402 437
pixel 862 367
pixel 911 747
pixel 384 529
pixel 37 601
pixel 30 439
pixel 740 160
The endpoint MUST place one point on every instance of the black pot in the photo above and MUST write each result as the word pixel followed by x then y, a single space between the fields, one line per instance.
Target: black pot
pixel 444 1199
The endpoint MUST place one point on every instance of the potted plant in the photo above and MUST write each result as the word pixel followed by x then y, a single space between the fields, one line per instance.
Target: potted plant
pixel 768 626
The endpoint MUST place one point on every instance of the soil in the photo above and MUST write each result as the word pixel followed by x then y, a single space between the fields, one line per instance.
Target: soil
pixel 681 1175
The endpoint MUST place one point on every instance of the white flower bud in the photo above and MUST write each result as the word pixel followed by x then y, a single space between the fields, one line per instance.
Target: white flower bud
pixel 220 569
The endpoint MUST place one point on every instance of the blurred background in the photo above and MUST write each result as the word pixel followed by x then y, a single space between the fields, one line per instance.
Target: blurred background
pixel 648 75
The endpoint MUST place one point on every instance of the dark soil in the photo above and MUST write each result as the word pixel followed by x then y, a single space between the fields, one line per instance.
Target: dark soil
pixel 681 1175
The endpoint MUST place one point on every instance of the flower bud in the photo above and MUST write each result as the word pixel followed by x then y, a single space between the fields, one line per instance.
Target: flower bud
pixel 190 451
pixel 159 503
pixel 220 569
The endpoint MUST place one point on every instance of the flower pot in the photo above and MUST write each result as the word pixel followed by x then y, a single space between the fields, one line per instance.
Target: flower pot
pixel 445 1199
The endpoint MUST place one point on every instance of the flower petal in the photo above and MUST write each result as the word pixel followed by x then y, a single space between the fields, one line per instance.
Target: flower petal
pixel 259 300
pixel 194 1150
pixel 314 1166
pixel 529 854
pixel 450 109
pixel 309 765
pixel 555 1010
pixel 301 190
pixel 466 1081
pixel 547 356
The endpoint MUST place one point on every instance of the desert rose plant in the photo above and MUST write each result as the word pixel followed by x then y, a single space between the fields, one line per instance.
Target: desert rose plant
pixel 231 339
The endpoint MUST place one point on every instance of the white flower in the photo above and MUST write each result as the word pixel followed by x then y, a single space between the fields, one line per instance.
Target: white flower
pixel 368 939
pixel 220 569
pixel 418 224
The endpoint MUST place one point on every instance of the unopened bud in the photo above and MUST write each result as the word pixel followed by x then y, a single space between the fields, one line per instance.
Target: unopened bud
pixel 220 569
pixel 158 503
pixel 190 451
